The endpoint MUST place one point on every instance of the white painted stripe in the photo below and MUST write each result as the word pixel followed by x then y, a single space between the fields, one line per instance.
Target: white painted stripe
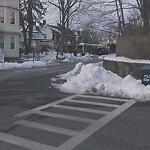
pixel 24 142
pixel 44 106
pixel 93 103
pixel 74 141
pixel 104 98
pixel 47 127
pixel 81 109
pixel 68 117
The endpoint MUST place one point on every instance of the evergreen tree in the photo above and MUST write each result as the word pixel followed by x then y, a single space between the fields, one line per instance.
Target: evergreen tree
pixel 30 10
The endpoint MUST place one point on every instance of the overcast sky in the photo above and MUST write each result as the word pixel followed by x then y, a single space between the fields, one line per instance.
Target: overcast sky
pixel 52 15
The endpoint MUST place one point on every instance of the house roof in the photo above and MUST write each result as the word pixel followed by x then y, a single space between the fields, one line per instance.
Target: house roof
pixel 54 29
pixel 58 29
pixel 88 37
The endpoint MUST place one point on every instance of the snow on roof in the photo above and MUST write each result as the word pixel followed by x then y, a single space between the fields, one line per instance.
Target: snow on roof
pixel 53 28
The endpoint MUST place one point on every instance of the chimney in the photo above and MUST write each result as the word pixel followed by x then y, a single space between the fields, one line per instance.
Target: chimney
pixel 34 22
pixel 44 22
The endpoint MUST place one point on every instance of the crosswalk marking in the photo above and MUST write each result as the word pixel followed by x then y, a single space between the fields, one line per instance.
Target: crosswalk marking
pixel 47 127
pixel 73 142
pixel 85 120
pixel 24 142
pixel 44 106
pixel 81 109
pixel 93 103
pixel 105 98
pixel 76 137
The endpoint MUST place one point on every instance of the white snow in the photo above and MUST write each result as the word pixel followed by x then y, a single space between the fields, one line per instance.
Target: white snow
pixel 113 57
pixel 94 79
pixel 45 59
pixel 72 73
pixel 72 58
pixel 29 64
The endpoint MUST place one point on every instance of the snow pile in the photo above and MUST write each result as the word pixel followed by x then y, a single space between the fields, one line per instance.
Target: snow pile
pixel 7 66
pixel 29 64
pixel 70 59
pixel 84 58
pixel 48 59
pixel 94 79
pixel 102 57
pixel 72 73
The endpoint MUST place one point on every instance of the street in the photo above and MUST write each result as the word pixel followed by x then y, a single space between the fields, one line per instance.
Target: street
pixel 34 115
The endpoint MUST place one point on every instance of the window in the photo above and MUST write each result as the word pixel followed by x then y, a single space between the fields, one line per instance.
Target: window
pixel 34 35
pixel 12 17
pixel 1 42
pixel 12 42
pixel 1 16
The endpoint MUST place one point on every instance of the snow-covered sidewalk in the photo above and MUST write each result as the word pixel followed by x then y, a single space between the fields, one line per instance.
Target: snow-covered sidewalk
pixel 94 79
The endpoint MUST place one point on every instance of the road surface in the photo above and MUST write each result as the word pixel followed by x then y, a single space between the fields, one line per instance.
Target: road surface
pixel 34 115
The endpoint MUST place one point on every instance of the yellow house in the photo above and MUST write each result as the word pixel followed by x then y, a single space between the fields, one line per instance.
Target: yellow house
pixel 9 29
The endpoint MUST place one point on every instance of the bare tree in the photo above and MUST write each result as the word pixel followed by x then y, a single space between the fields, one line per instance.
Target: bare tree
pixel 113 13
pixel 144 8
pixel 67 8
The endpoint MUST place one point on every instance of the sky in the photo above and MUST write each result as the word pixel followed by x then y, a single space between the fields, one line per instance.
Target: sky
pixel 52 15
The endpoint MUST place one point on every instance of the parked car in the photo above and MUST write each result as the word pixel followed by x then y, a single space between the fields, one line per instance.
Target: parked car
pixel 103 51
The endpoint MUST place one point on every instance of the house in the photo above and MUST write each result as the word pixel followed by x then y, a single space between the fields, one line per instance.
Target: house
pixel 42 35
pixel 53 34
pixel 88 41
pixel 45 35
pixel 9 29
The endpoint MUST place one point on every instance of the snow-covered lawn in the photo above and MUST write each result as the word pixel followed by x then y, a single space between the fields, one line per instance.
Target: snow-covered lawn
pixel 94 79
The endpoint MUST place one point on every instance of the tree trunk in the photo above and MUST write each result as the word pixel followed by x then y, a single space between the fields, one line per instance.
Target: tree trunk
pixel 30 21
pixel 145 9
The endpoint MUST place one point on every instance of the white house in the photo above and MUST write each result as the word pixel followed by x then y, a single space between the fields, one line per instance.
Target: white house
pixel 42 34
pixel 9 28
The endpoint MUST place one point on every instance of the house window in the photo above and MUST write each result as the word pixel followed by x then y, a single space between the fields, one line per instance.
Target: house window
pixel 34 35
pixel 12 42
pixel 12 17
pixel 1 16
pixel 1 42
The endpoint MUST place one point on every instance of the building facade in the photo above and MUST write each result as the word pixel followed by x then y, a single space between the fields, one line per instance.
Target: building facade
pixel 9 28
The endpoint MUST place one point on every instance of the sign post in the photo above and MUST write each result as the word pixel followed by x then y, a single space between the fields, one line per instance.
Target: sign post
pixel 34 46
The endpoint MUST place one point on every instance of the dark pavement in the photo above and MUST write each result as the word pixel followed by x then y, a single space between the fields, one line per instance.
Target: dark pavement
pixel 23 90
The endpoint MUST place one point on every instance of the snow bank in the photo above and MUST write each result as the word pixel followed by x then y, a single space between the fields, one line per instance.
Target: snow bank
pixel 94 79
pixel 113 57
pixel 48 59
pixel 29 64
pixel 70 59
pixel 72 73
pixel 84 58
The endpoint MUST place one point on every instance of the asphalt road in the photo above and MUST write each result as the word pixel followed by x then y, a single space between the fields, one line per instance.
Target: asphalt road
pixel 26 101
pixel 29 88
